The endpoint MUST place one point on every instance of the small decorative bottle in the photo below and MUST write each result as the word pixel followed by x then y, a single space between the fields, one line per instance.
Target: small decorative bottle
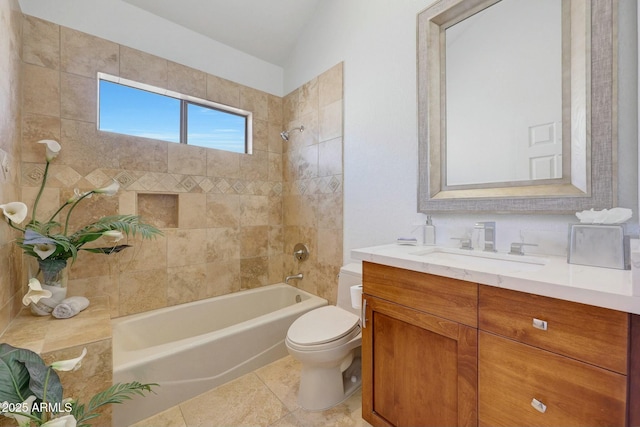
pixel 429 233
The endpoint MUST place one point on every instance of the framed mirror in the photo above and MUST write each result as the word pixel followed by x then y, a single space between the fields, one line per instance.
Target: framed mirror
pixel 517 106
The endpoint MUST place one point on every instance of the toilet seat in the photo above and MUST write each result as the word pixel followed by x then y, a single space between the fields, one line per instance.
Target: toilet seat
pixel 322 328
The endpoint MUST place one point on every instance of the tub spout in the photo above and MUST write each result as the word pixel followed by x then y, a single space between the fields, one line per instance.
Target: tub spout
pixel 297 276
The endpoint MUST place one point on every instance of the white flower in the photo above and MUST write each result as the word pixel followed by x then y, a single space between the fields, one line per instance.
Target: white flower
pixel 44 250
pixel 16 212
pixel 63 421
pixel 110 189
pixel 25 408
pixel 71 364
pixel 35 292
pixel 113 235
pixel 53 148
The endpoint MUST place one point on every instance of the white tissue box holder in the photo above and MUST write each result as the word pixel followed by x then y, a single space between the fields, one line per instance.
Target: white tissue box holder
pixel 599 245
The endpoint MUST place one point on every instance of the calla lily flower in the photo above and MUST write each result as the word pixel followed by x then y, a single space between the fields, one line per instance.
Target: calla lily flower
pixel 44 250
pixel 16 212
pixel 71 364
pixel 22 420
pixel 110 189
pixel 63 421
pixel 113 235
pixel 36 293
pixel 53 148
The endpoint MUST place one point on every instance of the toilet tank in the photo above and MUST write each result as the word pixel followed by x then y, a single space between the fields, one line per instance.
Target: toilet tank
pixel 350 275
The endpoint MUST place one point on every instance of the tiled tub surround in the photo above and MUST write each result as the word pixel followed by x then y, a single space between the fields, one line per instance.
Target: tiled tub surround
pixel 57 340
pixel 10 131
pixel 238 216
pixel 313 170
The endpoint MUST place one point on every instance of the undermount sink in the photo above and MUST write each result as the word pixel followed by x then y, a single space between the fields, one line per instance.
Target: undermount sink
pixel 493 260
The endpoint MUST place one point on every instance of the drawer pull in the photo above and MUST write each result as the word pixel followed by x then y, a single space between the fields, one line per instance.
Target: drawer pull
pixel 538 406
pixel 363 314
pixel 540 324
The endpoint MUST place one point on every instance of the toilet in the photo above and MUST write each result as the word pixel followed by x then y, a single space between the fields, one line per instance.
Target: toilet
pixel 327 342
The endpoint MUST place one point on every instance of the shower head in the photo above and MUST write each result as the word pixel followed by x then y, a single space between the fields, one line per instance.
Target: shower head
pixel 285 133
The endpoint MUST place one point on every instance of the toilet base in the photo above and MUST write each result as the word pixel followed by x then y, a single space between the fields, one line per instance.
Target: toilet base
pixel 324 387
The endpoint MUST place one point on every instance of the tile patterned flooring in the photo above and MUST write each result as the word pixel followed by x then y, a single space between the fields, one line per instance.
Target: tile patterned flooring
pixel 265 397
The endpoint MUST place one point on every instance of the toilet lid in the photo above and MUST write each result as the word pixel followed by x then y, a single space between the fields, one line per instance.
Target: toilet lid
pixel 322 325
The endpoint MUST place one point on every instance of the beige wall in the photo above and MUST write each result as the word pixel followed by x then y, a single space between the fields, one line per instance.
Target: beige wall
pixel 10 113
pixel 222 213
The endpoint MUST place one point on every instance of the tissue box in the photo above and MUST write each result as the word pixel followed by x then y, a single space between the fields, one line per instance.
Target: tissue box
pixel 599 246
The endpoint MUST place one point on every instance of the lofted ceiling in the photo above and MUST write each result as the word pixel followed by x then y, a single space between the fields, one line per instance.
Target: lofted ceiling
pixel 265 29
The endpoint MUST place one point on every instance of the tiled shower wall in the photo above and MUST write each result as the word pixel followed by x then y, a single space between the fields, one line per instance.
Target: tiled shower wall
pixel 10 117
pixel 313 182
pixel 221 213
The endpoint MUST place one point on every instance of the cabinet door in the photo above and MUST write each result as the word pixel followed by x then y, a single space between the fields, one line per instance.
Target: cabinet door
pixel 417 369
pixel 527 386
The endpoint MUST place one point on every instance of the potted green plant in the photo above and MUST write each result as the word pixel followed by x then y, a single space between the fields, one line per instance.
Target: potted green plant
pixel 32 394
pixel 52 243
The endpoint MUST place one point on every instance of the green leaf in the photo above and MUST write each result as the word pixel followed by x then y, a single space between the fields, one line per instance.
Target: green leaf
pixel 44 382
pixel 14 376
pixel 128 224
pixel 23 373
pixel 108 250
pixel 117 393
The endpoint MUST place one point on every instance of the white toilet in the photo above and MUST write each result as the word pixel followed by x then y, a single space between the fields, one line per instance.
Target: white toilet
pixel 327 342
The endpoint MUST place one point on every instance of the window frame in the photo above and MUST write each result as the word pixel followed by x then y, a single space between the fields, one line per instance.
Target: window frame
pixel 184 101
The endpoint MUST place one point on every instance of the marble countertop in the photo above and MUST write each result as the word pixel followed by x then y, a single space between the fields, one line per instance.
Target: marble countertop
pixel 548 276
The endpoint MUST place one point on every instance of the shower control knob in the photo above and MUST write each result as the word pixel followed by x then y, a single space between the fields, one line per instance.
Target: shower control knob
pixel 301 252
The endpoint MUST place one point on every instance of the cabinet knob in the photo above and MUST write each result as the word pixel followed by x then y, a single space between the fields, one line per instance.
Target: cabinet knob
pixel 538 406
pixel 540 324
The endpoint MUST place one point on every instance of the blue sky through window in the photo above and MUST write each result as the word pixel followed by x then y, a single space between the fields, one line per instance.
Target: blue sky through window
pixel 132 111
pixel 212 128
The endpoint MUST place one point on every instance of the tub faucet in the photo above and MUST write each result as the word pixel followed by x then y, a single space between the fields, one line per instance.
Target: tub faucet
pixel 489 241
pixel 297 276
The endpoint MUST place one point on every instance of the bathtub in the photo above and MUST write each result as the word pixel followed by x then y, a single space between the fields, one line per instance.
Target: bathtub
pixel 191 348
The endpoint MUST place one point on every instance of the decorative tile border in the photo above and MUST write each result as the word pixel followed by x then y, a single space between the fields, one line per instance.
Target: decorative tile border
pixel 67 177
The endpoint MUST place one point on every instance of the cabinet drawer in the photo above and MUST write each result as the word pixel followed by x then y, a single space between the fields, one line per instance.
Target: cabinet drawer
pixel 451 299
pixel 511 375
pixel 591 334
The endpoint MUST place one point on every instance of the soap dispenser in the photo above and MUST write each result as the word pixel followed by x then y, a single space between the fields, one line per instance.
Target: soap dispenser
pixel 429 233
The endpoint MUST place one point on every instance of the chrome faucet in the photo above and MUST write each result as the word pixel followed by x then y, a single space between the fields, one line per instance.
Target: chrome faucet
pixel 297 276
pixel 465 243
pixel 489 228
pixel 517 248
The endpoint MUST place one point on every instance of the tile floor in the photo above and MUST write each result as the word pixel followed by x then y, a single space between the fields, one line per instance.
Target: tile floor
pixel 264 397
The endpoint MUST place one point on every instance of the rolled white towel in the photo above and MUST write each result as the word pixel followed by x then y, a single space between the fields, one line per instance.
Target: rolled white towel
pixel 69 307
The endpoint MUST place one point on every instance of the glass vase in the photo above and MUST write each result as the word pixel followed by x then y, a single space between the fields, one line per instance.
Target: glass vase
pixel 53 276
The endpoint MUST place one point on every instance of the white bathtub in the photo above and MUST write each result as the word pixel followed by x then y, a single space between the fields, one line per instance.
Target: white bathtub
pixel 193 347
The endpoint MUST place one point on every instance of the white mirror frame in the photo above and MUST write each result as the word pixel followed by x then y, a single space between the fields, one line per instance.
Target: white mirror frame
pixel 601 125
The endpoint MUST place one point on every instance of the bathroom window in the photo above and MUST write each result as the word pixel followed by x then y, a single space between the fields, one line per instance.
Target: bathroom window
pixel 138 109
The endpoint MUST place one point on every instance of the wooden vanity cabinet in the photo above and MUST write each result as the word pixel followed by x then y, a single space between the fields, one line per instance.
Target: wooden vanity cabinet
pixel 549 362
pixel 419 349
pixel 441 351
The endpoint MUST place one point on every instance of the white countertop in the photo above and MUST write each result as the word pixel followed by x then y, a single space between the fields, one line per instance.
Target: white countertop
pixel 552 277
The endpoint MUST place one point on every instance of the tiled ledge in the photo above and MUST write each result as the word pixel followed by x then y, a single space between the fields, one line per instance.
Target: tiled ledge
pixel 45 334
pixel 61 339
